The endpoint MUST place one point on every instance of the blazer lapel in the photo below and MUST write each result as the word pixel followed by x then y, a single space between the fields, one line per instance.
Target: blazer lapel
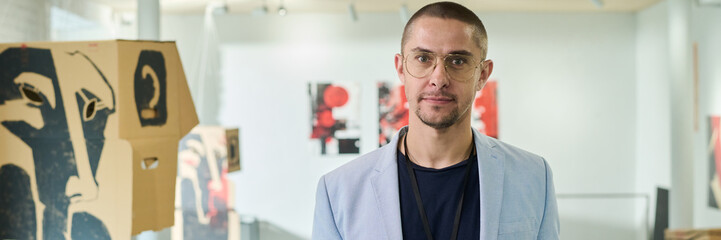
pixel 385 187
pixel 491 171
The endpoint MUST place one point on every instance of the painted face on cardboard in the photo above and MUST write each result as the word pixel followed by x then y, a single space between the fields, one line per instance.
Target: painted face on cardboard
pixel 437 99
pixel 60 114
pixel 203 183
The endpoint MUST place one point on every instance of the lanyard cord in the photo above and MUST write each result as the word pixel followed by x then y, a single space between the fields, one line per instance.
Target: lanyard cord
pixel 419 201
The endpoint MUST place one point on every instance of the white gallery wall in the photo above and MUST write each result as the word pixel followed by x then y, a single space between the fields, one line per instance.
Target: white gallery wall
pixel 24 20
pixel 566 91
pixel 653 106
pixel 706 22
pixel 653 94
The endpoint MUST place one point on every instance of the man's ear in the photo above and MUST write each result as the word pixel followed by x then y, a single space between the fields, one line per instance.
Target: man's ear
pixel 487 68
pixel 399 67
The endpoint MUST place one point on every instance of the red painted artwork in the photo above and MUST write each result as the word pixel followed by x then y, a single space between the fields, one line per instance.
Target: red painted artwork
pixel 485 110
pixel 204 199
pixel 392 110
pixel 335 122
pixel 714 198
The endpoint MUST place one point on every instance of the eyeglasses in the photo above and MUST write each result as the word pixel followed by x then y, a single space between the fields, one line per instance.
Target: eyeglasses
pixel 459 67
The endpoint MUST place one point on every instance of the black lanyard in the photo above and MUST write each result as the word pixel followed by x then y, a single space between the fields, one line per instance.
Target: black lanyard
pixel 419 201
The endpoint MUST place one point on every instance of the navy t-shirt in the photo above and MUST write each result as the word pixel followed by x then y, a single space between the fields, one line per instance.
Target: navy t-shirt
pixel 440 191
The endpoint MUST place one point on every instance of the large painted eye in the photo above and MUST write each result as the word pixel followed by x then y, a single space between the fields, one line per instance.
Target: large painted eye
pixel 31 94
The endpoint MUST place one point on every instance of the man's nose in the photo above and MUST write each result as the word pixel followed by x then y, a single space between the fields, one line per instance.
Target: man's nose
pixel 439 76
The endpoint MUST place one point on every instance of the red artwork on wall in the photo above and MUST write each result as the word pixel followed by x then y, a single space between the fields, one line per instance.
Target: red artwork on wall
pixel 392 110
pixel 714 193
pixel 335 121
pixel 485 110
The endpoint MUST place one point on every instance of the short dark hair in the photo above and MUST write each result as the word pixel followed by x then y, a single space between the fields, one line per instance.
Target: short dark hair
pixel 451 10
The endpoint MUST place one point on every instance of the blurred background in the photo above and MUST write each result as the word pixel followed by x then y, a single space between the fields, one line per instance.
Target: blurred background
pixel 617 95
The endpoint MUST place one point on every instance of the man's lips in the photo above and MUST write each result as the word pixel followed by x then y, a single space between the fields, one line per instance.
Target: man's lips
pixel 437 99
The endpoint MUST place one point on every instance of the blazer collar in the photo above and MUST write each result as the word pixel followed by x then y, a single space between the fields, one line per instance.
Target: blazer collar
pixel 385 187
pixel 491 172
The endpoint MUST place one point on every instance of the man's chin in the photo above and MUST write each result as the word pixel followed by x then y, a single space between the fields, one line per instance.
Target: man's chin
pixel 439 122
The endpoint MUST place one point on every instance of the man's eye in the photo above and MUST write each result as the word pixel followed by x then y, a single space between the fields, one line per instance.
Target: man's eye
pixel 458 61
pixel 423 58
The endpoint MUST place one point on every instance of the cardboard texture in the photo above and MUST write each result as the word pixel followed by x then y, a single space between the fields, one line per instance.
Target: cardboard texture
pixel 693 234
pixel 205 197
pixel 233 140
pixel 88 138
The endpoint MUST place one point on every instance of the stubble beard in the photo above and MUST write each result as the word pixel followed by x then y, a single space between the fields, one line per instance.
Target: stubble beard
pixel 446 121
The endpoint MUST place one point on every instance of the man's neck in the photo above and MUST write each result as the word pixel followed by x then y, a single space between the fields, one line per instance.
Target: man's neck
pixel 438 148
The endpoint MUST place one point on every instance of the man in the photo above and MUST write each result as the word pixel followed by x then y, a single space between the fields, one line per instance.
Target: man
pixel 439 178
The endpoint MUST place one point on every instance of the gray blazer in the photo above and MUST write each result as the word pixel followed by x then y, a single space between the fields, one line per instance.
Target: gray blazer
pixel 360 199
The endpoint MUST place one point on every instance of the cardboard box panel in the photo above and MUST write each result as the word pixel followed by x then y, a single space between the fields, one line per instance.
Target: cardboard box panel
pixel 154 171
pixel 693 234
pixel 233 140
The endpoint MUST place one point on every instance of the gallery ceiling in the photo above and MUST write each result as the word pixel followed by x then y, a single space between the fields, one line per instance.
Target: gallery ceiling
pixel 335 6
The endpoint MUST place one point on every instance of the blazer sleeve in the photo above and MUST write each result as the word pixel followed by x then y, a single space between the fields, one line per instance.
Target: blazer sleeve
pixel 324 227
pixel 550 225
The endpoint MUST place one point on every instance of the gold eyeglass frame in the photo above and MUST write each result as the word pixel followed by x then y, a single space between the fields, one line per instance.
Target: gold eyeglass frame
pixel 445 66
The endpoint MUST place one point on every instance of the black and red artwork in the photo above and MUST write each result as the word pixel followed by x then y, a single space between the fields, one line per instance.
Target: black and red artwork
pixel 335 118
pixel 714 180
pixel 392 110
pixel 204 193
pixel 484 116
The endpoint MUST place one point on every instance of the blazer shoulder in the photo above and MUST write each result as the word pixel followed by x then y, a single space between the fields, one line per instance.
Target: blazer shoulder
pixel 360 168
pixel 518 158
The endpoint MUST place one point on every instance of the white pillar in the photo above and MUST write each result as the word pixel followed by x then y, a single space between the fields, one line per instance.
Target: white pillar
pixel 682 115
pixel 149 19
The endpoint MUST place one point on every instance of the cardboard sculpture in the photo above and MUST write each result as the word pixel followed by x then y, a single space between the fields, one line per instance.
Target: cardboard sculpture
pixel 693 234
pixel 88 138
pixel 205 196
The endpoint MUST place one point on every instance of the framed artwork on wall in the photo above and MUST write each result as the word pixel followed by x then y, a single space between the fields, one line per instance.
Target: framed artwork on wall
pixel 335 118
pixel 714 150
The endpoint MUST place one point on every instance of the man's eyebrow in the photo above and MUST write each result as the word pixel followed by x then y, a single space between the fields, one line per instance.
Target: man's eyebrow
pixel 462 52
pixel 419 49
pixel 457 52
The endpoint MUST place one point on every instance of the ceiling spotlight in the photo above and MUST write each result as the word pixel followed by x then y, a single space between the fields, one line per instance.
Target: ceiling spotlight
pixel 404 13
pixel 352 11
pixel 282 11
pixel 597 3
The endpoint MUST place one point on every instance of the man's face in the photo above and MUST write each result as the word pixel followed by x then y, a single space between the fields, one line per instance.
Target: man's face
pixel 437 99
